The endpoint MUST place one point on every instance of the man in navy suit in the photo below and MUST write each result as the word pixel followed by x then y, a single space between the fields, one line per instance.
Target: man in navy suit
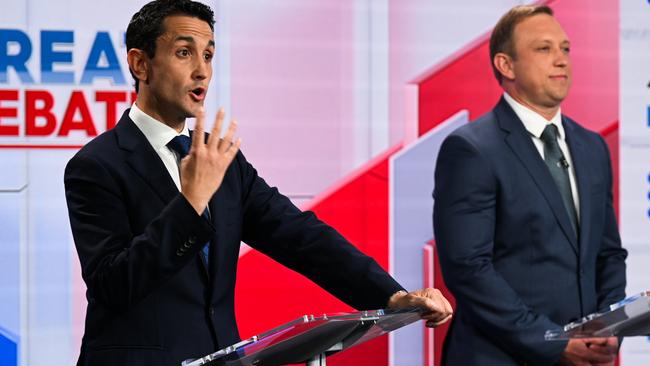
pixel 158 216
pixel 523 214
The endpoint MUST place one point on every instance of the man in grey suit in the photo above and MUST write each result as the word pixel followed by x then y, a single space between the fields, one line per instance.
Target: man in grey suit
pixel 523 213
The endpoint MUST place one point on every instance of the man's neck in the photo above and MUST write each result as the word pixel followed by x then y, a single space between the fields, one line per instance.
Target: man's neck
pixel 547 112
pixel 148 109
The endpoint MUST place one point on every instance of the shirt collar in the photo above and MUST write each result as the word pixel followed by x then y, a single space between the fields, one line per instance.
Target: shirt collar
pixel 533 121
pixel 157 133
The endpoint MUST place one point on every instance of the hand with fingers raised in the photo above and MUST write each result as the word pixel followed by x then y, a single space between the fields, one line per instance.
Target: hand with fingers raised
pixel 204 167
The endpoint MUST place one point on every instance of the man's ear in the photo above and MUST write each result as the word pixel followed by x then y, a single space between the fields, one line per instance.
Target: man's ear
pixel 503 63
pixel 138 64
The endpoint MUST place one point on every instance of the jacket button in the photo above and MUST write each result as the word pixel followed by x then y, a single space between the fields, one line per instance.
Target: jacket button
pixel 179 253
pixel 191 239
pixel 211 311
pixel 187 244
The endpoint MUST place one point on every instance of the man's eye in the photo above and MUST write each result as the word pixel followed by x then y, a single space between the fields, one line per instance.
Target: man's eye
pixel 544 48
pixel 566 49
pixel 207 56
pixel 183 52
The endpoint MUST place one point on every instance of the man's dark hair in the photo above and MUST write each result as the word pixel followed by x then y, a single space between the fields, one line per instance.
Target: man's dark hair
pixel 501 38
pixel 147 24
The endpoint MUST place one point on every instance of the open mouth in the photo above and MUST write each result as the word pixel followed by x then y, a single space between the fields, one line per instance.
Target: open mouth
pixel 198 93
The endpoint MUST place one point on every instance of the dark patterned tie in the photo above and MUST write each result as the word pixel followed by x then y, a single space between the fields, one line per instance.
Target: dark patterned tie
pixel 181 144
pixel 559 169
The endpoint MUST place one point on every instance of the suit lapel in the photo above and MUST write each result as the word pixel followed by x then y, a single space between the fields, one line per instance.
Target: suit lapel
pixel 581 163
pixel 144 160
pixel 519 140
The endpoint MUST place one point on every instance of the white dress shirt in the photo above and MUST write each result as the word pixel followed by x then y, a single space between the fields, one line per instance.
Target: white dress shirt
pixel 159 134
pixel 535 124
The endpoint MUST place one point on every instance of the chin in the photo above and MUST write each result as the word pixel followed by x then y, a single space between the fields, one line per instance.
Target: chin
pixel 192 112
pixel 553 102
pixel 559 98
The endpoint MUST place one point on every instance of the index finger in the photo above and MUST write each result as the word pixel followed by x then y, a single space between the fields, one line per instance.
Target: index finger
pixel 605 350
pixel 428 305
pixel 608 346
pixel 433 323
pixel 198 129
pixel 598 341
pixel 448 307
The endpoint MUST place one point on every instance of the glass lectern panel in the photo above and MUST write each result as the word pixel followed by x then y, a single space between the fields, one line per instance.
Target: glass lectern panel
pixel 627 318
pixel 305 337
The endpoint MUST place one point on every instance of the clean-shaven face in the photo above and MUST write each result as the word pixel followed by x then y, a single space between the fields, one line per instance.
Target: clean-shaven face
pixel 541 66
pixel 181 68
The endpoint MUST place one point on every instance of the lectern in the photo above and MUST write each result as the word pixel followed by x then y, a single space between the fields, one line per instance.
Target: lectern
pixel 309 339
pixel 627 318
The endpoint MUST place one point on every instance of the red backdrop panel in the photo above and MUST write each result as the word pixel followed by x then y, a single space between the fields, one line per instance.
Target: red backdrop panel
pixel 268 294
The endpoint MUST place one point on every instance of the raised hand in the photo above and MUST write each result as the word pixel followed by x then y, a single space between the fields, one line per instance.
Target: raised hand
pixel 204 167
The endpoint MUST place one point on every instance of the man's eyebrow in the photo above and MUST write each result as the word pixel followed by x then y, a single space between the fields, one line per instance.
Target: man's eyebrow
pixel 548 40
pixel 190 39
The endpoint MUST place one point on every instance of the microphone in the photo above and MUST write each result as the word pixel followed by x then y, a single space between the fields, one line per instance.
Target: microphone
pixel 563 163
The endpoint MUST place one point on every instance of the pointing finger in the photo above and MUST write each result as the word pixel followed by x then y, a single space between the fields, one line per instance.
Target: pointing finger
pixel 197 141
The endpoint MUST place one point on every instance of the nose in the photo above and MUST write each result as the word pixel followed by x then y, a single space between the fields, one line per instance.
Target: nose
pixel 201 69
pixel 562 58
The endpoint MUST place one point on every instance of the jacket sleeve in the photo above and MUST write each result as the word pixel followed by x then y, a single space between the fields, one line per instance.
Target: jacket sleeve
pixel 610 266
pixel 118 266
pixel 464 219
pixel 300 241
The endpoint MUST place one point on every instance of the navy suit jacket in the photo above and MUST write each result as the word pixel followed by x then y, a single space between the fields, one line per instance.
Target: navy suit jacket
pixel 506 246
pixel 151 298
